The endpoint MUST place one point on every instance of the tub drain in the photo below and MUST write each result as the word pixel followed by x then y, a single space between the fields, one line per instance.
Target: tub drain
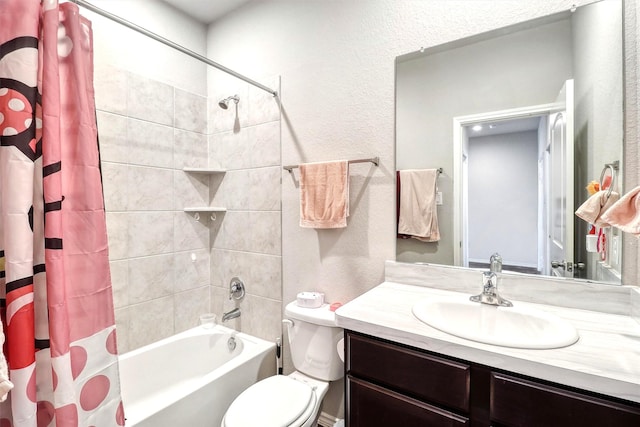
pixel 231 344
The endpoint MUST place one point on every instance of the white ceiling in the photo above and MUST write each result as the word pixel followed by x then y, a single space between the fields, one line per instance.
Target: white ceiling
pixel 506 126
pixel 206 11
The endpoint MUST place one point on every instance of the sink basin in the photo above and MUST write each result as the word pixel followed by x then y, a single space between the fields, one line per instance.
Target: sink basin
pixel 518 327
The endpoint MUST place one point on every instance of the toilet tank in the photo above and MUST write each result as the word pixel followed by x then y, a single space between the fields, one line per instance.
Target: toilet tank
pixel 313 341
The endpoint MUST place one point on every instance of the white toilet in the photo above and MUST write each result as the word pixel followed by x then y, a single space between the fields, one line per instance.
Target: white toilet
pixel 294 400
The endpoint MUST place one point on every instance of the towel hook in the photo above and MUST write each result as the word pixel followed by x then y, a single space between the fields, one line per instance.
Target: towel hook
pixel 613 167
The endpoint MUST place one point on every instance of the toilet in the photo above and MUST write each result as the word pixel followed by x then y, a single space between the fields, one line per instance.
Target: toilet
pixel 294 400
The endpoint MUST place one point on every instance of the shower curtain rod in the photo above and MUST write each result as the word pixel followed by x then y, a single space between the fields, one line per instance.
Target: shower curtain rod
pixel 171 44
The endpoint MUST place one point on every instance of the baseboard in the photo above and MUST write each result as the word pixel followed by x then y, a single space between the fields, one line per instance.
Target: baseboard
pixel 326 420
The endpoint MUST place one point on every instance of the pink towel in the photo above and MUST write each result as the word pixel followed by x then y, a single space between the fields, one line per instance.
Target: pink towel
pixel 592 210
pixel 625 213
pixel 324 194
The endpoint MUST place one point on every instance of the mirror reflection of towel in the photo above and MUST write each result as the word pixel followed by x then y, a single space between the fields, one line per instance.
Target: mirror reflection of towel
pixel 625 213
pixel 418 215
pixel 594 207
pixel 324 194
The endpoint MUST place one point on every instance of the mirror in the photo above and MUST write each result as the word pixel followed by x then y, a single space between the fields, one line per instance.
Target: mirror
pixel 520 120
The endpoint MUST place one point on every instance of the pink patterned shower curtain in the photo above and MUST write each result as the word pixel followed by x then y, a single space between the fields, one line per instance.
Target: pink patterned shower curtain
pixel 55 286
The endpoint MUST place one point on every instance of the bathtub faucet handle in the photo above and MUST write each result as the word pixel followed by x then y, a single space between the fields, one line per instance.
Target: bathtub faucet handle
pixel 236 289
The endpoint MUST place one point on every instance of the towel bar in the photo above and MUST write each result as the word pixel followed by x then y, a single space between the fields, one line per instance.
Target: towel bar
pixel 374 160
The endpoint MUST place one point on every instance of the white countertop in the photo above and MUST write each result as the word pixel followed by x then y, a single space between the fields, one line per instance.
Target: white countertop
pixel 606 358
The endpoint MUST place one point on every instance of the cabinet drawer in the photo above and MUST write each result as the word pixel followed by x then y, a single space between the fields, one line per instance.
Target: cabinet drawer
pixel 417 374
pixel 518 402
pixel 373 406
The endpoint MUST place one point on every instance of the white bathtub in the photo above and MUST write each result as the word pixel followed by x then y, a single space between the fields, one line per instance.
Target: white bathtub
pixel 191 378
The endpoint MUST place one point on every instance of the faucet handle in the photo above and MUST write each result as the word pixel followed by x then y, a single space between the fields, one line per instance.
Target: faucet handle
pixel 236 288
pixel 495 263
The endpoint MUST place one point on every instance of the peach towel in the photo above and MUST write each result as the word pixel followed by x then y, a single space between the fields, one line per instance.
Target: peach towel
pixel 418 215
pixel 595 206
pixel 324 194
pixel 625 213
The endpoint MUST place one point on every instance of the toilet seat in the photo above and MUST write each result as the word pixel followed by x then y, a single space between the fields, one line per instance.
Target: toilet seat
pixel 275 401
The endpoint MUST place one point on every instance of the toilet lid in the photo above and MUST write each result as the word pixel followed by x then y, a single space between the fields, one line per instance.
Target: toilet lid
pixel 274 401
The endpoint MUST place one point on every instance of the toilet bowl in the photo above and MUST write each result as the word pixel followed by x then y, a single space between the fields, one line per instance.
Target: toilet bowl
pixel 294 400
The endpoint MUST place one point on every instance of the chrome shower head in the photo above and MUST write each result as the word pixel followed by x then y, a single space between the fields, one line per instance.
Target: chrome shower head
pixel 224 104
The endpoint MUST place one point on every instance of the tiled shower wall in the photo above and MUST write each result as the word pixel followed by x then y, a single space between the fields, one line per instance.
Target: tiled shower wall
pixel 167 268
pixel 246 242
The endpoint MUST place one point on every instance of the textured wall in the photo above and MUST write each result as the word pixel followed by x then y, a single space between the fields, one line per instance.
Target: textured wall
pixel 631 254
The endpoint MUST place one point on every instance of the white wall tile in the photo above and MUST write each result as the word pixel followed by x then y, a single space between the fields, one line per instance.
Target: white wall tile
pixel 149 144
pixel 265 232
pixel 190 234
pixel 191 270
pixel 110 85
pixel 262 274
pixel 123 321
pixel 190 149
pixel 112 134
pixel 117 229
pixel 149 233
pixel 114 179
pixel 192 189
pixel 264 143
pixel 263 317
pixel 150 189
pixel 216 155
pixel 190 111
pixel 235 150
pixel 151 277
pixel 264 188
pixel 120 283
pixel 189 305
pixel 149 100
pixel 151 321
pixel 263 106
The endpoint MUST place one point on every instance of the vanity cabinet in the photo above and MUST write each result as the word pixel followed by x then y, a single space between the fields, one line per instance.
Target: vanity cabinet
pixel 388 384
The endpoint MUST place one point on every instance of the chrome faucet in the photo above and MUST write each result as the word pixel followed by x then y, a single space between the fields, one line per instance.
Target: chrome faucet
pixel 489 293
pixel 231 314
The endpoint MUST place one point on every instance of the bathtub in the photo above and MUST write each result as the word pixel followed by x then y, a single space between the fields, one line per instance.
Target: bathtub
pixel 191 378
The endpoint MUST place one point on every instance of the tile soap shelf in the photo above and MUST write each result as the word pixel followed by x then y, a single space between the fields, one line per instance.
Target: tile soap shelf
pixel 205 209
pixel 197 210
pixel 208 171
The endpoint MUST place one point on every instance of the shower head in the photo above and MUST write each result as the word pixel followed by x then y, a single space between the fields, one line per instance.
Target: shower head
pixel 224 104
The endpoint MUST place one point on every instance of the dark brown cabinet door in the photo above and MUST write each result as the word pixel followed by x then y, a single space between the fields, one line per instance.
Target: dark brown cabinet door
pixel 374 406
pixel 521 403
pixel 414 373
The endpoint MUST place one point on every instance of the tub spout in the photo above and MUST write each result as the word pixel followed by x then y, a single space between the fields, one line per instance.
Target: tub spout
pixel 231 314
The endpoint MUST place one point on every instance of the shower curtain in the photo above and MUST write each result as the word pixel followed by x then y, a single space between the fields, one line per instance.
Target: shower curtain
pixel 55 287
